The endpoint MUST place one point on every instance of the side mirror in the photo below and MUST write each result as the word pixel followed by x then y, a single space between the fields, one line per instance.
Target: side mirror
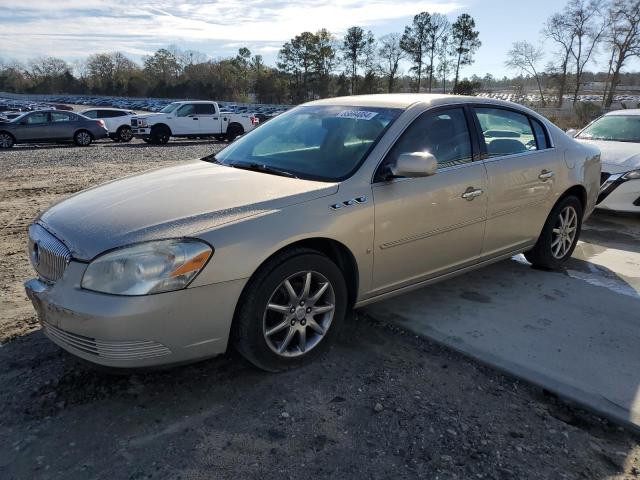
pixel 415 164
pixel 572 132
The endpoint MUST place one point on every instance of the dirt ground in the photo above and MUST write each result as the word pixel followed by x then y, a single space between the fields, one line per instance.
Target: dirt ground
pixel 382 404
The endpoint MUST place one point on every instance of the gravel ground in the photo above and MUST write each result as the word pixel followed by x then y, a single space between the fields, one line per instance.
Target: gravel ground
pixel 389 405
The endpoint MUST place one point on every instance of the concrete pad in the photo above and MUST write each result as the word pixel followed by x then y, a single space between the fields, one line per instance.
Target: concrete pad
pixel 575 333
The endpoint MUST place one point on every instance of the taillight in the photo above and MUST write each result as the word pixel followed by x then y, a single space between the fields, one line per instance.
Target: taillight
pixel 255 120
pixel 101 123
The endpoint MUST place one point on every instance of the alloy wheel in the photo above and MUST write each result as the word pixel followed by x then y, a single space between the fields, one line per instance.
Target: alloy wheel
pixel 83 138
pixel 5 140
pixel 298 314
pixel 564 232
pixel 126 134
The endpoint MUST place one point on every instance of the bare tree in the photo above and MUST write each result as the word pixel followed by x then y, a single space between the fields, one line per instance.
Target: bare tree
pixel 623 37
pixel 525 57
pixel 445 61
pixel 439 28
pixel 588 26
pixel 559 30
pixel 390 55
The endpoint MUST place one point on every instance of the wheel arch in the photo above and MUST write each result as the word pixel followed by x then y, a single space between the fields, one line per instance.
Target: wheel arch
pixel 338 252
pixel 236 124
pixel 10 134
pixel 578 191
pixel 162 125
pixel 83 129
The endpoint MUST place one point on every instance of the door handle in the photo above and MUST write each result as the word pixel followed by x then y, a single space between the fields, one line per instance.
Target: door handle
pixel 195 118
pixel 472 193
pixel 545 175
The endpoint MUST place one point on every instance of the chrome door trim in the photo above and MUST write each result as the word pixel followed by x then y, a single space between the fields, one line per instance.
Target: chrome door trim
pixel 431 233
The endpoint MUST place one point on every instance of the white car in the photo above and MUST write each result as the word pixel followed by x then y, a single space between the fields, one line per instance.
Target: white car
pixel 192 119
pixel 117 121
pixel 617 135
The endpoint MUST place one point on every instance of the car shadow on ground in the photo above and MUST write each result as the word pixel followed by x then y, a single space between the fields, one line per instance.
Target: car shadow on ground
pixel 171 144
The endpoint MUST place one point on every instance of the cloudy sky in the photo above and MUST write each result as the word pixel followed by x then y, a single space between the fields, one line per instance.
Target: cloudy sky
pixel 73 29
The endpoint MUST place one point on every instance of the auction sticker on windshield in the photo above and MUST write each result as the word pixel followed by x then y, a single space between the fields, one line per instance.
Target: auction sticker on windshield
pixel 357 114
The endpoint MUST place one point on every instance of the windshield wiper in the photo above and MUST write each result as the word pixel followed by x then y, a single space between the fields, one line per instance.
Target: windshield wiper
pixel 260 167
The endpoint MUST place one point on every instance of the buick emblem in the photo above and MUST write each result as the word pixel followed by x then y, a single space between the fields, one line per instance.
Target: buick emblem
pixel 35 254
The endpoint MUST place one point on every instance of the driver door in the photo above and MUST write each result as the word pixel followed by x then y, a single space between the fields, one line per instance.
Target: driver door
pixel 428 226
pixel 186 120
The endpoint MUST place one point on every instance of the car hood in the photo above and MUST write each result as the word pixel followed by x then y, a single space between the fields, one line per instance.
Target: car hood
pixel 617 157
pixel 171 202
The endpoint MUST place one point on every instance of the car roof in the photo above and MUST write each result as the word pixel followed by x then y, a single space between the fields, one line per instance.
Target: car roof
pixel 405 100
pixel 631 111
pixel 106 108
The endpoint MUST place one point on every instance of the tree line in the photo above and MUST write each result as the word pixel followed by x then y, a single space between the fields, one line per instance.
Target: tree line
pixel 319 64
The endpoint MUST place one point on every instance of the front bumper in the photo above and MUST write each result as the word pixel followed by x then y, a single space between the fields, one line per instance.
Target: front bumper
pixel 140 132
pixel 619 195
pixel 132 332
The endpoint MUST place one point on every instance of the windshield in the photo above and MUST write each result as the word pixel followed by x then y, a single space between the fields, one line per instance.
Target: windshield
pixel 324 142
pixel 615 128
pixel 170 108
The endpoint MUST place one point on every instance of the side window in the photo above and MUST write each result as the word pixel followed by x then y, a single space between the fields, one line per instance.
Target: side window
pixel 91 114
pixel 186 110
pixel 205 109
pixel 541 137
pixel 37 118
pixel 57 117
pixel 444 134
pixel 505 132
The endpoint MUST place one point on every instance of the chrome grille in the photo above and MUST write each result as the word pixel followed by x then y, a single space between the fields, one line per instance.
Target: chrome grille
pixel 125 350
pixel 48 255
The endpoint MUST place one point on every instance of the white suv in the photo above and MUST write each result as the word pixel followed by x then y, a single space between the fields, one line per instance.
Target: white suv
pixel 117 121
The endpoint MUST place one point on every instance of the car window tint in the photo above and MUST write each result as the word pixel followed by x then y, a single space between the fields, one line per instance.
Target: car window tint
pixel 505 132
pixel 186 110
pixel 91 114
pixel 541 137
pixel 61 117
pixel 444 134
pixel 36 118
pixel 205 109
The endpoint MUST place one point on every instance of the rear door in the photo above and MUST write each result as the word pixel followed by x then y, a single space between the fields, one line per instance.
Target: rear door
pixel 521 167
pixel 425 227
pixel 34 126
pixel 63 125
pixel 208 118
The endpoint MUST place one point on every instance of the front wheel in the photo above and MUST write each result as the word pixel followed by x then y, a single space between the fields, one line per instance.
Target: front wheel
pixel 6 140
pixel 124 134
pixel 82 138
pixel 160 135
pixel 291 310
pixel 559 235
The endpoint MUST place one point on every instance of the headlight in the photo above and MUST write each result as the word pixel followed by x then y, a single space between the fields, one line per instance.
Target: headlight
pixel 142 122
pixel 152 267
pixel 632 175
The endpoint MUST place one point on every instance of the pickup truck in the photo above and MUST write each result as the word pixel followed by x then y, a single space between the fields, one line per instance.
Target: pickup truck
pixel 191 119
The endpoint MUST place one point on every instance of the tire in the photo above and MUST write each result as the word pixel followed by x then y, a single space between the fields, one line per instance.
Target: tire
pixel 146 139
pixel 82 138
pixel 124 134
pixel 282 349
pixel 160 135
pixel 559 235
pixel 6 140
pixel 234 131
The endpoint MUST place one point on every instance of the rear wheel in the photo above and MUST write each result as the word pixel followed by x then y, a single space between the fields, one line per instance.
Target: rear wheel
pixel 6 140
pixel 291 310
pixel 82 138
pixel 160 135
pixel 559 235
pixel 234 131
pixel 124 134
